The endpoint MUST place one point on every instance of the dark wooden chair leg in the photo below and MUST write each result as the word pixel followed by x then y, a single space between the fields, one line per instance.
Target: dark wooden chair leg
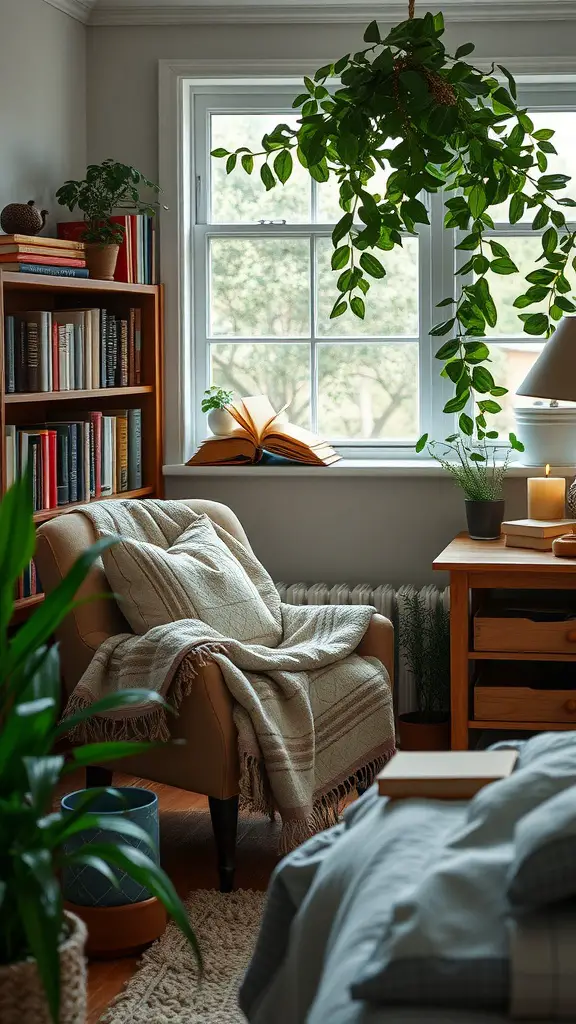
pixel 97 776
pixel 224 814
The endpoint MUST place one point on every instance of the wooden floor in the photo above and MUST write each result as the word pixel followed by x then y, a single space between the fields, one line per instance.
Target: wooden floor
pixel 188 856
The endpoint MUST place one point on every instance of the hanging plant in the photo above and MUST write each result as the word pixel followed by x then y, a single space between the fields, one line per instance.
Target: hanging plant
pixel 434 121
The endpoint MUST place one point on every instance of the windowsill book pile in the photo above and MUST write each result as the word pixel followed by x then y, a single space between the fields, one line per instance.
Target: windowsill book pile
pixel 261 435
pixel 37 254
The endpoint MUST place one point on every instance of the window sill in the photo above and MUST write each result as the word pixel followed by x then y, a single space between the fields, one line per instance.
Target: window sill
pixel 351 468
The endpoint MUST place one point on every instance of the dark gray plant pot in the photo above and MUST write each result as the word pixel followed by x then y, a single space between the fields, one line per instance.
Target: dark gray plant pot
pixel 484 518
pixel 85 886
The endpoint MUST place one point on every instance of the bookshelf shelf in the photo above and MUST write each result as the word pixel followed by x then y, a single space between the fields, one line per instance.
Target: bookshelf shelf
pixel 26 293
pixel 27 397
pixel 50 513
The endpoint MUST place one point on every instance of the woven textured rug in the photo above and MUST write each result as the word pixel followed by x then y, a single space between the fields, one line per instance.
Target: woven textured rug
pixel 166 988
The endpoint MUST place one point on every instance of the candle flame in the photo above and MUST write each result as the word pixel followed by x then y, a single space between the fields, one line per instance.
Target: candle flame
pixel 547 470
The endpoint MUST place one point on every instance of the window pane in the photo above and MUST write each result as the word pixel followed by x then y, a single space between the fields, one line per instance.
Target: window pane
pixel 506 288
pixel 240 198
pixel 278 370
pixel 563 122
pixel 368 391
pixel 391 303
pixel 329 210
pixel 510 364
pixel 260 287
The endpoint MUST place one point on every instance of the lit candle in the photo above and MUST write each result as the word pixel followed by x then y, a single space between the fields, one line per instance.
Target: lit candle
pixel 546 496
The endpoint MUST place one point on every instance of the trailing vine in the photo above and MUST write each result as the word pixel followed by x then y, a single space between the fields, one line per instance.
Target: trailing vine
pixel 435 122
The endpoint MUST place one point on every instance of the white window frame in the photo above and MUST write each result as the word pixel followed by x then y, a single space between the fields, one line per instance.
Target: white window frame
pixel 184 87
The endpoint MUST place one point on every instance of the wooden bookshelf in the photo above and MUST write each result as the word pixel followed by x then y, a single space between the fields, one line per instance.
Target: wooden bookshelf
pixel 22 292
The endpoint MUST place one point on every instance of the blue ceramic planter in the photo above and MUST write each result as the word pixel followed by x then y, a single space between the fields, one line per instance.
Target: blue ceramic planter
pixel 85 886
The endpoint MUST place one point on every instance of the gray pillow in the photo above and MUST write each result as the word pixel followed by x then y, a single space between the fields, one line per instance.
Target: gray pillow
pixel 543 870
pixel 448 943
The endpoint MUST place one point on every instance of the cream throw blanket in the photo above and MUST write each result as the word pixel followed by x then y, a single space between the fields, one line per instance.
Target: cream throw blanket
pixel 312 717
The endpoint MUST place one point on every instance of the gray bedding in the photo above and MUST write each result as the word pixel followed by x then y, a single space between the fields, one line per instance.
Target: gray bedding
pixel 333 900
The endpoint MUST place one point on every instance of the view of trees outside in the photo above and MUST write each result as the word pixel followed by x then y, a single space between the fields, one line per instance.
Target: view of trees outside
pixel 260 288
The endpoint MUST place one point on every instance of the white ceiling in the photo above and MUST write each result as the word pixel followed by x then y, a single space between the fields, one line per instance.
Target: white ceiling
pixel 172 12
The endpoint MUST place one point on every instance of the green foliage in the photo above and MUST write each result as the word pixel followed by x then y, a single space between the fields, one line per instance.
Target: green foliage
pixel 474 465
pixel 32 832
pixel 434 121
pixel 107 187
pixel 425 642
pixel 216 398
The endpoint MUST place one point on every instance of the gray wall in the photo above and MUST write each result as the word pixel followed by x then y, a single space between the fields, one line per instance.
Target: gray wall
pixel 379 529
pixel 43 103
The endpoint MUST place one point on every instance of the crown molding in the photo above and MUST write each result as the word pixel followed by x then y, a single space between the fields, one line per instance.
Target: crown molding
pixel 78 9
pixel 189 12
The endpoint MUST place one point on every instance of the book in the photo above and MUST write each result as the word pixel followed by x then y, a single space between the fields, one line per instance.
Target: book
pixel 10 454
pixel 134 449
pixel 538 527
pixel 532 543
pixel 111 350
pixel 49 270
pixel 9 355
pixel 32 339
pixel 21 356
pixel 137 346
pixel 62 431
pixel 38 241
pixel 257 429
pixel 106 468
pixel 56 261
pixel 444 775
pixel 73 230
pixel 120 479
pixel 95 454
pixel 122 367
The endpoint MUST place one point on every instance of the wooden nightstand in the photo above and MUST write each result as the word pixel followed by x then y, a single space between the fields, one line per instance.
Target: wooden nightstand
pixel 476 568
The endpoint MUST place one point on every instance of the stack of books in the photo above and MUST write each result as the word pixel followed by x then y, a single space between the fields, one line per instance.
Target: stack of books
pixel 137 256
pixel 537 534
pixel 261 436
pixel 71 350
pixel 36 254
pixel 29 582
pixel 78 459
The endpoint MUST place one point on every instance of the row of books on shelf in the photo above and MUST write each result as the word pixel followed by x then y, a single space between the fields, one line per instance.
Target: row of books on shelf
pixel 137 256
pixel 38 254
pixel 69 350
pixel 28 584
pixel 77 460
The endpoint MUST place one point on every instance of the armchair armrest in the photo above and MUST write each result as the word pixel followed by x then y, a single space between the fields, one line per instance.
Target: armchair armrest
pixel 378 642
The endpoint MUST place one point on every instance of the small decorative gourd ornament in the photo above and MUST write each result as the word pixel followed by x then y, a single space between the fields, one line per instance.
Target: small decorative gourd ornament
pixel 22 218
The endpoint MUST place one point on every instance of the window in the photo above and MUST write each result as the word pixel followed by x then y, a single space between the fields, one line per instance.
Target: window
pixel 263 289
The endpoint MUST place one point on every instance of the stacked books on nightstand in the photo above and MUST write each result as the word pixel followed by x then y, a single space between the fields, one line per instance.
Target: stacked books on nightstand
pixel 36 254
pixel 537 534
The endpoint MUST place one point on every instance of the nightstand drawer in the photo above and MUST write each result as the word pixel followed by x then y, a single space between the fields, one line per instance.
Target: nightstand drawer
pixel 511 633
pixel 523 704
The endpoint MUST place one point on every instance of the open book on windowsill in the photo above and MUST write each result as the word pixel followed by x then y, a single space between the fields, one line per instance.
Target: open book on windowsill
pixel 258 430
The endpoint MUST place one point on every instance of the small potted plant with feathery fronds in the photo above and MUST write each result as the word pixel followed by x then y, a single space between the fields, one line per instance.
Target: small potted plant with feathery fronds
pixel 107 187
pixel 479 469
pixel 42 971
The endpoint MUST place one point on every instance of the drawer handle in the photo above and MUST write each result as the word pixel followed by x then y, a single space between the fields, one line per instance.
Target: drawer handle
pixel 571 636
pixel 570 706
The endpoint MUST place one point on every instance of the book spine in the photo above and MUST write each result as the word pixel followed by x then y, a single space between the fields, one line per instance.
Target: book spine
pixel 114 449
pixel 87 339
pixel 95 317
pixel 52 271
pixel 33 451
pixel 45 352
pixel 86 439
pixel 33 356
pixel 96 421
pixel 111 351
pixel 63 358
pixel 131 348
pixel 73 463
pixel 63 464
pixel 122 369
pixel 134 449
pixel 45 469
pixel 103 347
pixel 39 259
pixel 55 357
pixel 71 357
pixel 20 345
pixel 78 356
pixel 106 456
pixel 122 451
pixel 137 347
pixel 9 355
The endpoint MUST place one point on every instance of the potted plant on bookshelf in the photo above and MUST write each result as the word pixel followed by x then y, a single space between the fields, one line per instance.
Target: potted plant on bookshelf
pixel 107 187
pixel 425 643
pixel 215 400
pixel 42 972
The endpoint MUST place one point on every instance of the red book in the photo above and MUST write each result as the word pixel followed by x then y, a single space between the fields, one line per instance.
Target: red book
pixel 55 358
pixel 96 420
pixel 134 247
pixel 73 230
pixel 53 460
pixel 53 261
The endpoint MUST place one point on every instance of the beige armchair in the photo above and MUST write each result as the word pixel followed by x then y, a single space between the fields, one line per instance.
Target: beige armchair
pixel 208 761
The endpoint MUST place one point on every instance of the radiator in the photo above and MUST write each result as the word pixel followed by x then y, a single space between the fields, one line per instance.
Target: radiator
pixel 395 604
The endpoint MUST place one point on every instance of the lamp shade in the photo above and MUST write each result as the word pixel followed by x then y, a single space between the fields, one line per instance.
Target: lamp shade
pixel 554 372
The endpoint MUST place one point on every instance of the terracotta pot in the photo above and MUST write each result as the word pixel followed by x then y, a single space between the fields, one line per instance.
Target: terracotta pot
pixel 120 931
pixel 22 996
pixel 101 260
pixel 416 733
